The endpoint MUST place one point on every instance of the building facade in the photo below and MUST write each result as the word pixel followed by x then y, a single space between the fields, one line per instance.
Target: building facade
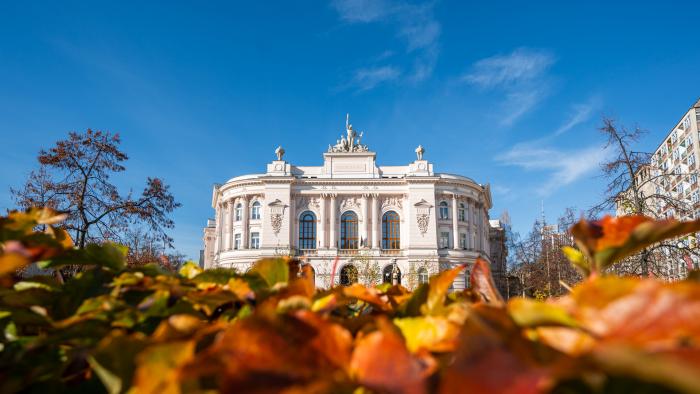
pixel 669 188
pixel 351 219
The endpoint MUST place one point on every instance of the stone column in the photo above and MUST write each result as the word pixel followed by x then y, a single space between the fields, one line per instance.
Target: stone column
pixel 292 221
pixel 332 226
pixel 376 223
pixel 455 223
pixel 231 210
pixel 244 222
pixel 219 223
pixel 365 217
pixel 322 225
pixel 470 235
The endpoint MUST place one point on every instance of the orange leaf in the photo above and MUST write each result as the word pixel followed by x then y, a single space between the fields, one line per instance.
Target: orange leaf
pixel 482 283
pixel 382 362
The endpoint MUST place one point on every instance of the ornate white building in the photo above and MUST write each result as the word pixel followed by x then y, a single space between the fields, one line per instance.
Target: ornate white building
pixel 351 219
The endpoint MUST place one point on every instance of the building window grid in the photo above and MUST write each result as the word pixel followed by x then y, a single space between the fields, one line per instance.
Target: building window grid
pixel 255 240
pixel 444 210
pixel 255 211
pixel 444 239
pixel 391 231
pixel 307 231
pixel 422 275
pixel 348 231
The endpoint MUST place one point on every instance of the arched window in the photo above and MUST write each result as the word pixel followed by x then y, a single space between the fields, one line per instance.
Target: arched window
pixel 444 210
pixel 422 275
pixel 391 238
pixel 348 231
pixel 239 212
pixel 255 211
pixel 462 214
pixel 307 231
pixel 348 275
pixel 388 274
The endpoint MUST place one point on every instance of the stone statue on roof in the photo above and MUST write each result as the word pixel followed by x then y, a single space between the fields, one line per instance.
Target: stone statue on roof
pixel 351 143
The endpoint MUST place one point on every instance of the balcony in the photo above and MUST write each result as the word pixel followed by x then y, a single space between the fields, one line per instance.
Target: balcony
pixel 307 252
pixel 348 252
pixel 390 252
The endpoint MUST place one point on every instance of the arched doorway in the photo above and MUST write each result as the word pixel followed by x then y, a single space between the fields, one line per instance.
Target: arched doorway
pixel 348 275
pixel 390 272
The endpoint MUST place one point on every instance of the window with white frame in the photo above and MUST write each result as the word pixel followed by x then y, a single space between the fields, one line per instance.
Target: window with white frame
pixel 462 213
pixel 237 241
pixel 444 211
pixel 239 212
pixel 695 197
pixel 255 211
pixel 691 159
pixel 693 178
pixel 676 154
pixel 255 240
pixel 422 275
pixel 686 123
pixel 677 170
pixel 674 137
pixel 463 240
pixel 444 239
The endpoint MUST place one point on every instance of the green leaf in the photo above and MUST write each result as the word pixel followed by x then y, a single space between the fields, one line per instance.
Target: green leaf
pixel 108 255
pixel 531 313
pixel 189 270
pixel 273 271
pixel 578 259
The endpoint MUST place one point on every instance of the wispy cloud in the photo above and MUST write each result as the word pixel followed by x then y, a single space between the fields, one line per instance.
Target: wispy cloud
pixel 563 167
pixel 521 65
pixel 580 113
pixel 414 24
pixel 521 75
pixel 368 78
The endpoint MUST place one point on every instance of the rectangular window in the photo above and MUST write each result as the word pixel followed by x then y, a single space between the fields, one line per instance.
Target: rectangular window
pixel 463 240
pixel 695 197
pixel 444 239
pixel 693 178
pixel 255 240
pixel 237 241
pixel 691 159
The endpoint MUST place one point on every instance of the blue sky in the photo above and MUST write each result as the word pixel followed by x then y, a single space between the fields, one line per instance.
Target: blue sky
pixel 509 94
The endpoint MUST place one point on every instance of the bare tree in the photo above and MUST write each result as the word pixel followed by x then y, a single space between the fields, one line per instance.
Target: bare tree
pixel 639 185
pixel 74 177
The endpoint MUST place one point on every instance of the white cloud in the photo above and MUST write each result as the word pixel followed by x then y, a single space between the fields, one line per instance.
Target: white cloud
pixel 368 78
pixel 519 66
pixel 414 24
pixel 361 11
pixel 521 75
pixel 581 113
pixel 564 167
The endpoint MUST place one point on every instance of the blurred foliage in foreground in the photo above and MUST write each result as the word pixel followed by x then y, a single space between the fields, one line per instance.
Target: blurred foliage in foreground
pixel 145 330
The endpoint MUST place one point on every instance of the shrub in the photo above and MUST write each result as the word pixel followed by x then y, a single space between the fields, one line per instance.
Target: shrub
pixel 145 330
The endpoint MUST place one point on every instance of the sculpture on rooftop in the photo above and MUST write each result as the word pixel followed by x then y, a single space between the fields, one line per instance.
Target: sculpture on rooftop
pixel 279 152
pixel 350 143
pixel 419 152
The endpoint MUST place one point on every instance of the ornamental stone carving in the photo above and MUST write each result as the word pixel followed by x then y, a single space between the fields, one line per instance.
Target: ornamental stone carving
pixel 276 222
pixel 349 144
pixel 392 202
pixel 349 203
pixel 423 215
pixel 307 203
pixel 276 215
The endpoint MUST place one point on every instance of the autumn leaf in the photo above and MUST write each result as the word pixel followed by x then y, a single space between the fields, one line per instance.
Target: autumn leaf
pixel 439 285
pixel 482 283
pixel 613 238
pixel 273 270
pixel 382 362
